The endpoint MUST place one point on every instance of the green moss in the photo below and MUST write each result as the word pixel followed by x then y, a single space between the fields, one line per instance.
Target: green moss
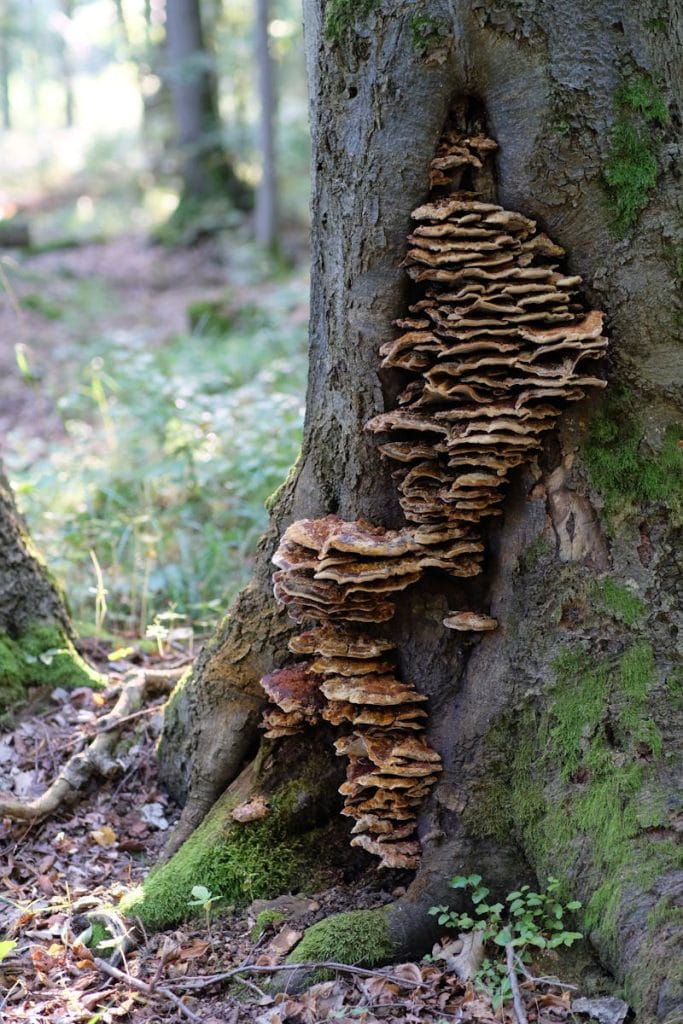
pixel 427 34
pixel 572 782
pixel 619 601
pixel 534 553
pixel 341 15
pixel 630 171
pixel 99 933
pixel 620 467
pixel 578 706
pixel 267 919
pixel 238 863
pixel 272 499
pixel 355 937
pixel 42 656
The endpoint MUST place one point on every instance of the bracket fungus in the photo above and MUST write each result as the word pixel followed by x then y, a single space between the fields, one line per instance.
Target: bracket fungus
pixel 496 339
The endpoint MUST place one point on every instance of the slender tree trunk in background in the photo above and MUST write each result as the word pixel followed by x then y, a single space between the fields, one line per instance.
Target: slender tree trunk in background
pixel 266 195
pixel 560 731
pixel 5 68
pixel 67 69
pixel 36 638
pixel 205 168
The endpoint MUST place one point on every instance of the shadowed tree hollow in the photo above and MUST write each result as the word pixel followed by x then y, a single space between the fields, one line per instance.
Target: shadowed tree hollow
pixel 559 732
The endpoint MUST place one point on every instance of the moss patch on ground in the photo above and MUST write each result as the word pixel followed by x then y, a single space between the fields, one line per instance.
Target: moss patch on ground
pixel 622 468
pixel 241 862
pixel 42 656
pixel 630 171
pixel 355 937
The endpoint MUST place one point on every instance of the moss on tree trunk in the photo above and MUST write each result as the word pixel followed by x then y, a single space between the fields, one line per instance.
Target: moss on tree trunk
pixel 36 639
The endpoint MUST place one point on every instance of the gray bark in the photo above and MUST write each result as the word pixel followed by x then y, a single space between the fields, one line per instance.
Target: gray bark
pixel 205 168
pixel 27 594
pixel 377 111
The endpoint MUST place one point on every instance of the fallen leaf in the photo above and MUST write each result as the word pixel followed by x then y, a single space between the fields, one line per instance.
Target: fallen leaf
pixel 252 810
pixel 193 952
pixel 104 837
pixel 285 940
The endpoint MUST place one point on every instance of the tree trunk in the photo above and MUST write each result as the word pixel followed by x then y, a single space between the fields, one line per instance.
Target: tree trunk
pixel 6 32
pixel 560 731
pixel 266 195
pixel 67 65
pixel 36 639
pixel 206 172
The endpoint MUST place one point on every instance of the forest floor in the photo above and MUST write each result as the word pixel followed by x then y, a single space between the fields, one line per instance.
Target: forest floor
pixel 62 877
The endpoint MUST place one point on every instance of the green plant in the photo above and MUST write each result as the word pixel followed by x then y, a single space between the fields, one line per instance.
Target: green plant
pixel 202 897
pixel 526 920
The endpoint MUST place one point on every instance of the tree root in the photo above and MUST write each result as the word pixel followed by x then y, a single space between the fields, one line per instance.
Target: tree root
pixel 97 759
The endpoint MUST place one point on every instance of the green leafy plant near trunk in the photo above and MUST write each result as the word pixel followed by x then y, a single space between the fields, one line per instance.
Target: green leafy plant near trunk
pixel 526 920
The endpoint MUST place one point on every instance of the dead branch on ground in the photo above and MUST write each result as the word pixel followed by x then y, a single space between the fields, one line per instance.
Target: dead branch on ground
pixel 95 760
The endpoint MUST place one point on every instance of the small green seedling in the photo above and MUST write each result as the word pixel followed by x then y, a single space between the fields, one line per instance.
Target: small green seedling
pixel 527 920
pixel 202 898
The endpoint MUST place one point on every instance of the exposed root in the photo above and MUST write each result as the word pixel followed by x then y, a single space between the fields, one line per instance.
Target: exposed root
pixel 95 760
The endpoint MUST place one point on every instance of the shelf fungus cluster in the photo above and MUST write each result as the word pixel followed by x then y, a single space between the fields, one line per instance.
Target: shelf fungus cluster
pixel 333 576
pixel 496 339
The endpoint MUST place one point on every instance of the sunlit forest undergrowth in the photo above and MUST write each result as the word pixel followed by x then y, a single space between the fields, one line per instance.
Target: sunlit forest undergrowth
pixel 169 450
pixel 151 395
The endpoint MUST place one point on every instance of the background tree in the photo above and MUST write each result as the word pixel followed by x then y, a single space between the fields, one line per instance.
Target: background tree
pixel 206 171
pixel 266 195
pixel 560 731
pixel 36 639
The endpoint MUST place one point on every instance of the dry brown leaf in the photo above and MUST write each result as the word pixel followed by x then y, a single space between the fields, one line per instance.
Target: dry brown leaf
pixel 285 940
pixel 252 810
pixel 104 836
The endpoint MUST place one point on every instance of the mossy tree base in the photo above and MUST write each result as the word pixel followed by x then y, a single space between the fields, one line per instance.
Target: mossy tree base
pixel 43 656
pixel 293 849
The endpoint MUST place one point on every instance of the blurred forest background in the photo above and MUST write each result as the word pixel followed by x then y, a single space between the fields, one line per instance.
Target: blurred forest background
pixel 153 294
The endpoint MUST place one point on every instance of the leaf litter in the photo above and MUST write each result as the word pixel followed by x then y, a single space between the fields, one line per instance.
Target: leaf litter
pixel 58 877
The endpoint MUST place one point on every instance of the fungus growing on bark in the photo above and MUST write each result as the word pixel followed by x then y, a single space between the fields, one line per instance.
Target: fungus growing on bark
pixel 466 622
pixel 496 335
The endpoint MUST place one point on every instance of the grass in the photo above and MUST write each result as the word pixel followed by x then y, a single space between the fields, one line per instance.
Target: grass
pixel 169 452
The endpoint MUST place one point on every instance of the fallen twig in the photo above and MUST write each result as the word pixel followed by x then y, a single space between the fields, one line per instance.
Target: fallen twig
pixel 328 965
pixel 96 759
pixel 520 1015
pixel 148 990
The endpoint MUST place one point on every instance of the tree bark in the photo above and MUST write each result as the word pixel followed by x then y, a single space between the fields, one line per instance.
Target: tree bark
pixel 509 802
pixel 36 637
pixel 206 172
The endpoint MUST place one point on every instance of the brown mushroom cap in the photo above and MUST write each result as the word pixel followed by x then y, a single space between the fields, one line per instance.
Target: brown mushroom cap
pixel 332 641
pixel 296 688
pixel 466 621
pixel 370 689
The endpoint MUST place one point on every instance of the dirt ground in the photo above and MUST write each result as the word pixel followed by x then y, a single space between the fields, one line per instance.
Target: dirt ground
pixel 151 288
